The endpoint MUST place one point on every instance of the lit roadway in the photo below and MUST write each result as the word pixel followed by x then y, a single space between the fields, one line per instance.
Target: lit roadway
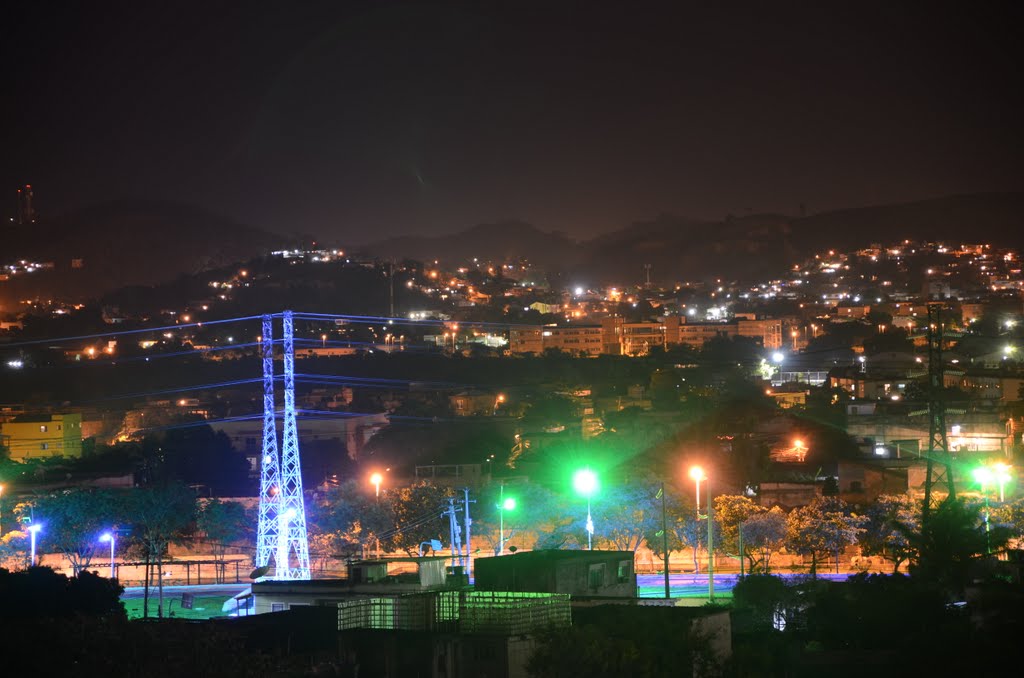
pixel 696 585
pixel 176 591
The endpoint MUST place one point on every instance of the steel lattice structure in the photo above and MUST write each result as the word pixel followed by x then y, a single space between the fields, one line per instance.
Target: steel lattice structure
pixel 281 531
pixel 939 471
pixel 293 541
pixel 270 475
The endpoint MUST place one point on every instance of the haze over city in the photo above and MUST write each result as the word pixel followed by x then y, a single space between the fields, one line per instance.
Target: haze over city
pixel 353 121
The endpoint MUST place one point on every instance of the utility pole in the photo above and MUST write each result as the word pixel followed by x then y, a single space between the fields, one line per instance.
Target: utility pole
pixel 391 286
pixel 468 521
pixel 454 530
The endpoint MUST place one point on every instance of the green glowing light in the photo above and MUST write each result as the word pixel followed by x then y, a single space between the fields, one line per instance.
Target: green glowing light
pixel 509 504
pixel 585 482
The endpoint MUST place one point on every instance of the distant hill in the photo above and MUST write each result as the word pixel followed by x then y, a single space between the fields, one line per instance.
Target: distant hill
pixel 746 248
pixel 507 240
pixel 128 243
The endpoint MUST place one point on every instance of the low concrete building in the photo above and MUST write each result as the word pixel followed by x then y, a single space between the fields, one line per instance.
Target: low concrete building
pixel 608 574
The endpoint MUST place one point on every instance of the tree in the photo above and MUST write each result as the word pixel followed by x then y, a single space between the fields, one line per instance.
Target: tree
pixel 825 526
pixel 417 512
pixel 352 518
pixel 221 522
pixel 625 513
pixel 890 522
pixel 955 538
pixel 1010 516
pixel 732 510
pixel 74 520
pixel 763 533
pixel 162 515
pixel 39 593
pixel 14 546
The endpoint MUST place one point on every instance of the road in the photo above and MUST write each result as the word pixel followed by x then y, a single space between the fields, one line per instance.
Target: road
pixel 176 591
pixel 696 585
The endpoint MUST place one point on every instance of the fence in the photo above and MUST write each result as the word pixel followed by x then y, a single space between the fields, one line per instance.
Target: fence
pixel 475 612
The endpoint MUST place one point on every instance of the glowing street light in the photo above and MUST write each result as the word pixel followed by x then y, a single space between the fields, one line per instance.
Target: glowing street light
pixel 697 474
pixel 585 483
pixel 504 504
pixel 777 358
pixel 376 479
pixel 33 530
pixel 105 537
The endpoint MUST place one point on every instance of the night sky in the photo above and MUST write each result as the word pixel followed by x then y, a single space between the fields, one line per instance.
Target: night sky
pixel 357 120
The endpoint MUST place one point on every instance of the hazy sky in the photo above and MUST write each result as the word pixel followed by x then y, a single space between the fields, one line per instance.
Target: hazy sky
pixel 356 120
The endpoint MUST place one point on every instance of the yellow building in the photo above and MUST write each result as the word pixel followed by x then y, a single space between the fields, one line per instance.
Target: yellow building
pixel 43 436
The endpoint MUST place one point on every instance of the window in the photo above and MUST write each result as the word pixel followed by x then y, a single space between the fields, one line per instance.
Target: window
pixel 43 428
pixel 595 578
pixel 277 607
pixel 44 446
pixel 623 574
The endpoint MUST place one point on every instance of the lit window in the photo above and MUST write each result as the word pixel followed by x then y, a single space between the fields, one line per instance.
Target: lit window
pixel 43 428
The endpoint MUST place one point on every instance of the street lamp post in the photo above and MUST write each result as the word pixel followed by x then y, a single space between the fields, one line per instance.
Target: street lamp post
pixel 585 482
pixel 697 473
pixel 105 537
pixel 32 530
pixel 503 505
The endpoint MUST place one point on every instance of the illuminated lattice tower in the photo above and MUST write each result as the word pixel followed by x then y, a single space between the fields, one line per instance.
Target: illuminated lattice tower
pixel 270 475
pixel 292 542
pixel 281 531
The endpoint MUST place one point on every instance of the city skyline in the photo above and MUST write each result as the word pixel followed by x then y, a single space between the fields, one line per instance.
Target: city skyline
pixel 359 123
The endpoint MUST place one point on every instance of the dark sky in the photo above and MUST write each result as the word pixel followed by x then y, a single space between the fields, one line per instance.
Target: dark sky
pixel 356 120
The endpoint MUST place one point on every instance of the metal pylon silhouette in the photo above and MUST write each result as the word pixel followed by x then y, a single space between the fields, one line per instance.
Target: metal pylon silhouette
pixel 281 532
pixel 270 475
pixel 293 542
pixel 939 471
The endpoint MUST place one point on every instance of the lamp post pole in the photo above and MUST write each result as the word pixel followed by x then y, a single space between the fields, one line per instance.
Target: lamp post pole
pixel 590 527
pixel 664 540
pixel 711 546
pixel 585 482
pixel 110 537
pixel 32 530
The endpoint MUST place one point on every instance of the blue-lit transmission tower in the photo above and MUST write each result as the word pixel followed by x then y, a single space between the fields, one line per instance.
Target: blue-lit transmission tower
pixel 270 475
pixel 292 541
pixel 282 513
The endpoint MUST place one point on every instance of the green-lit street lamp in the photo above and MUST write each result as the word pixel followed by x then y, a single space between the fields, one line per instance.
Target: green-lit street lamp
pixel 585 482
pixel 504 504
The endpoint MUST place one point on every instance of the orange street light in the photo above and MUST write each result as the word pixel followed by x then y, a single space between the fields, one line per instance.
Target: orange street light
pixel 376 479
pixel 697 473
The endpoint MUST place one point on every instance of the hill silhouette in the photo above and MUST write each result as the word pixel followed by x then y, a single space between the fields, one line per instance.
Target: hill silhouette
pixel 745 248
pixel 115 244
